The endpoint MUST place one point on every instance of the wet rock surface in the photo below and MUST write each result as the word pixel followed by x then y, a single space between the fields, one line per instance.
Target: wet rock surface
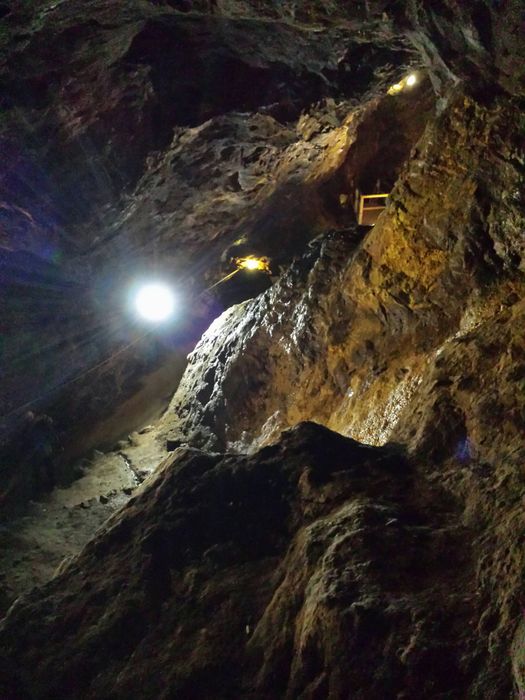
pixel 352 330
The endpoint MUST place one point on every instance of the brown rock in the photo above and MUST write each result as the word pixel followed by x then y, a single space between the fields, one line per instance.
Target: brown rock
pixel 293 543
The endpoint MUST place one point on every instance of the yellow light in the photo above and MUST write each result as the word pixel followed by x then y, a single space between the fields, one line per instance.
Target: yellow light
pixel 409 81
pixel 395 88
pixel 252 263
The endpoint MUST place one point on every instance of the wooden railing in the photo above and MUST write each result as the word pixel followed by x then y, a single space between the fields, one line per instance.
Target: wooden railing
pixel 368 215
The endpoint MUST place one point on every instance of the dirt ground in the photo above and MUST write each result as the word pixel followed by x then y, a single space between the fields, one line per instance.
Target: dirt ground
pixel 57 526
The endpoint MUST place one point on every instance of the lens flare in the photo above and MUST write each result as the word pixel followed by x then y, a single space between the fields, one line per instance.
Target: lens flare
pixel 155 302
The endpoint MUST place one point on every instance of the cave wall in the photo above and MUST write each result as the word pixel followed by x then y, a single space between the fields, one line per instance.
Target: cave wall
pixel 348 340
pixel 412 333
pixel 95 134
pixel 306 564
pixel 143 139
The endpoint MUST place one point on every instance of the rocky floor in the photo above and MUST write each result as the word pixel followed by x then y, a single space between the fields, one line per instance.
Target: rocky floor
pixel 357 554
pixel 35 543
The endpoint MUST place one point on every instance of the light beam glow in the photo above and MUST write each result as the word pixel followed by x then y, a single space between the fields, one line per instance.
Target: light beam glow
pixel 155 302
pixel 412 80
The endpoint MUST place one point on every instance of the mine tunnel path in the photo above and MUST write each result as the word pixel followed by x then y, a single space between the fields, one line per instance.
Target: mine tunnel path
pixel 57 526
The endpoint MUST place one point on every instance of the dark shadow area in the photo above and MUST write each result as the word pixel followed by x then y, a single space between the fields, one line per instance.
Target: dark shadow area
pixel 384 143
pixel 242 286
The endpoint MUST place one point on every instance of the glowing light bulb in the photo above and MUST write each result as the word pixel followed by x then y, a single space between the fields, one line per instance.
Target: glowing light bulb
pixel 412 80
pixel 251 263
pixel 155 302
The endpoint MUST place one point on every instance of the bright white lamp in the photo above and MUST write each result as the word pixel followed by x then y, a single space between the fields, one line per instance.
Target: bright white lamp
pixel 155 302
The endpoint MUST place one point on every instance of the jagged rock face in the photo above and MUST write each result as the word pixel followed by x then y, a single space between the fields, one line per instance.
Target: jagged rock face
pixel 151 140
pixel 348 578
pixel 412 333
pixel 348 335
pixel 85 123
pixel 126 75
pixel 314 567
pixel 481 42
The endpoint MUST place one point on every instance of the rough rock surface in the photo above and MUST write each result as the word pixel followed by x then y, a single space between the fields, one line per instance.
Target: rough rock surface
pixel 86 122
pixel 39 535
pixel 308 565
pixel 342 547
pixel 351 331
pixel 412 333
pixel 157 138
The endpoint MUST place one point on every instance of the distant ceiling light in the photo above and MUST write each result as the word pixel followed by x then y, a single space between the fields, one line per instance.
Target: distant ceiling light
pixel 409 81
pixel 155 302
pixel 252 263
